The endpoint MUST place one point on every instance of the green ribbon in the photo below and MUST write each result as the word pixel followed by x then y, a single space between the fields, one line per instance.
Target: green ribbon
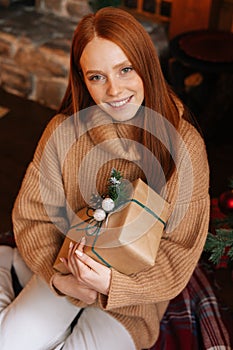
pixel 97 227
pixel 148 210
pixel 98 224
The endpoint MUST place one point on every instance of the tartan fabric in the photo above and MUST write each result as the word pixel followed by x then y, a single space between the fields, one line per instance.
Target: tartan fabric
pixel 193 320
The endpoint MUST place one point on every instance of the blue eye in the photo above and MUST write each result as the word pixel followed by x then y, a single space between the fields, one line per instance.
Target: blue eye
pixel 127 70
pixel 95 78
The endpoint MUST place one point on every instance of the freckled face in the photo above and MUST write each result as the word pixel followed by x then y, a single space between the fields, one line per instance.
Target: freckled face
pixel 111 80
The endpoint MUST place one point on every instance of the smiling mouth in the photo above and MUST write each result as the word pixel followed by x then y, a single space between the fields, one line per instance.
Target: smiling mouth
pixel 120 103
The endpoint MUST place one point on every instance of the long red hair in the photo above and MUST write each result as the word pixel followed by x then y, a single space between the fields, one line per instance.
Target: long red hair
pixel 125 31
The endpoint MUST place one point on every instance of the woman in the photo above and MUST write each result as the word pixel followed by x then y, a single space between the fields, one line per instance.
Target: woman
pixel 117 112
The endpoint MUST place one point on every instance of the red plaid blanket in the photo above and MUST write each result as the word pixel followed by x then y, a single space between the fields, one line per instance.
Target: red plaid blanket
pixel 196 319
pixel 193 320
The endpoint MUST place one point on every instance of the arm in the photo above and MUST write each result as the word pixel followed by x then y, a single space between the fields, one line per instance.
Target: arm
pixel 39 214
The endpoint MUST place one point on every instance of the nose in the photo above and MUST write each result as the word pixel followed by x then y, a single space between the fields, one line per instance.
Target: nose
pixel 114 86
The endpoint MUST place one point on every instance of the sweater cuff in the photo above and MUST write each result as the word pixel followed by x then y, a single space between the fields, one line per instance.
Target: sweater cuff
pixel 120 292
pixel 53 288
pixel 103 301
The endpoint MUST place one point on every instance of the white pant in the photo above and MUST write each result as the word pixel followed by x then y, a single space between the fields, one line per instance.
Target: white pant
pixel 37 319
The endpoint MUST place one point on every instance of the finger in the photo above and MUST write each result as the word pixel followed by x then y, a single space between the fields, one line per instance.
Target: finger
pixel 94 274
pixel 70 250
pixel 68 265
pixel 81 244
pixel 87 260
pixel 73 267
pixel 77 247
pixel 74 246
pixel 64 261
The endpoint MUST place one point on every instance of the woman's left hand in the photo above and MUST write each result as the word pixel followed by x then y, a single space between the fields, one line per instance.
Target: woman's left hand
pixel 86 270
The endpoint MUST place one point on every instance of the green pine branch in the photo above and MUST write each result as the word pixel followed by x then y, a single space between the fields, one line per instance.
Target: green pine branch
pixel 230 253
pixel 216 244
pixel 119 189
pixel 114 184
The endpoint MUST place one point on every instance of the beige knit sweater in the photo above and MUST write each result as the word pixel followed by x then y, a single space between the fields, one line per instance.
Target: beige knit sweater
pixel 59 182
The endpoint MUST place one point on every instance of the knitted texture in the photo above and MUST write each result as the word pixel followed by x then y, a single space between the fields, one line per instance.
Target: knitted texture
pixel 59 182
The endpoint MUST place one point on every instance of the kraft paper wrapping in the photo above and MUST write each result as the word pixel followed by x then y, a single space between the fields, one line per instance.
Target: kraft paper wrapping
pixel 128 239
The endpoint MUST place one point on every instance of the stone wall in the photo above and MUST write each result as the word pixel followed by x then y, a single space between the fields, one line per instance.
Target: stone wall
pixel 34 54
pixel 35 45
pixel 64 8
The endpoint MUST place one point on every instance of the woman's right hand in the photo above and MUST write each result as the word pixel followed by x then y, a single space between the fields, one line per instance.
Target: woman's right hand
pixel 68 285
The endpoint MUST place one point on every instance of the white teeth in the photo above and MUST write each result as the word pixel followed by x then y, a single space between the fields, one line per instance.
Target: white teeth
pixel 119 103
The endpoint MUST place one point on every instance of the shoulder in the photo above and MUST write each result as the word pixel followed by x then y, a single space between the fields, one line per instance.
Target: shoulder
pixel 189 133
pixel 58 129
pixel 192 141
pixel 59 120
pixel 194 167
pixel 58 136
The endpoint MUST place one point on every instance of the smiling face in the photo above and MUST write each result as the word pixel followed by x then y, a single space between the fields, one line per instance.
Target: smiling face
pixel 111 80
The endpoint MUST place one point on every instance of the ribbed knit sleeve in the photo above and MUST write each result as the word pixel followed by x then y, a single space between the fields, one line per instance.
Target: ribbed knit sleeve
pixel 181 246
pixel 39 214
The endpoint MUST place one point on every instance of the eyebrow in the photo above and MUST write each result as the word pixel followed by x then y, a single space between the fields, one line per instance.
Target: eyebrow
pixel 118 65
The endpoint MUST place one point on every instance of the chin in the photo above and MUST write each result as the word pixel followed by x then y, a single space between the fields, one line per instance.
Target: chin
pixel 121 118
pixel 123 115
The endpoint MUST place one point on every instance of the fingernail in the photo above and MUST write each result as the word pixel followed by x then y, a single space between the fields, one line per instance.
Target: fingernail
pixel 62 260
pixel 83 240
pixel 78 252
pixel 71 245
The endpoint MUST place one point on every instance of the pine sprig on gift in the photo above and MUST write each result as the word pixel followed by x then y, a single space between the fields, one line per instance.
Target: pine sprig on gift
pixel 119 189
pixel 216 244
pixel 114 184
pixel 115 175
pixel 119 192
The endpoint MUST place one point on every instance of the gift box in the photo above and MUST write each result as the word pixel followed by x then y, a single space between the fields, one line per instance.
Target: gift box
pixel 128 238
